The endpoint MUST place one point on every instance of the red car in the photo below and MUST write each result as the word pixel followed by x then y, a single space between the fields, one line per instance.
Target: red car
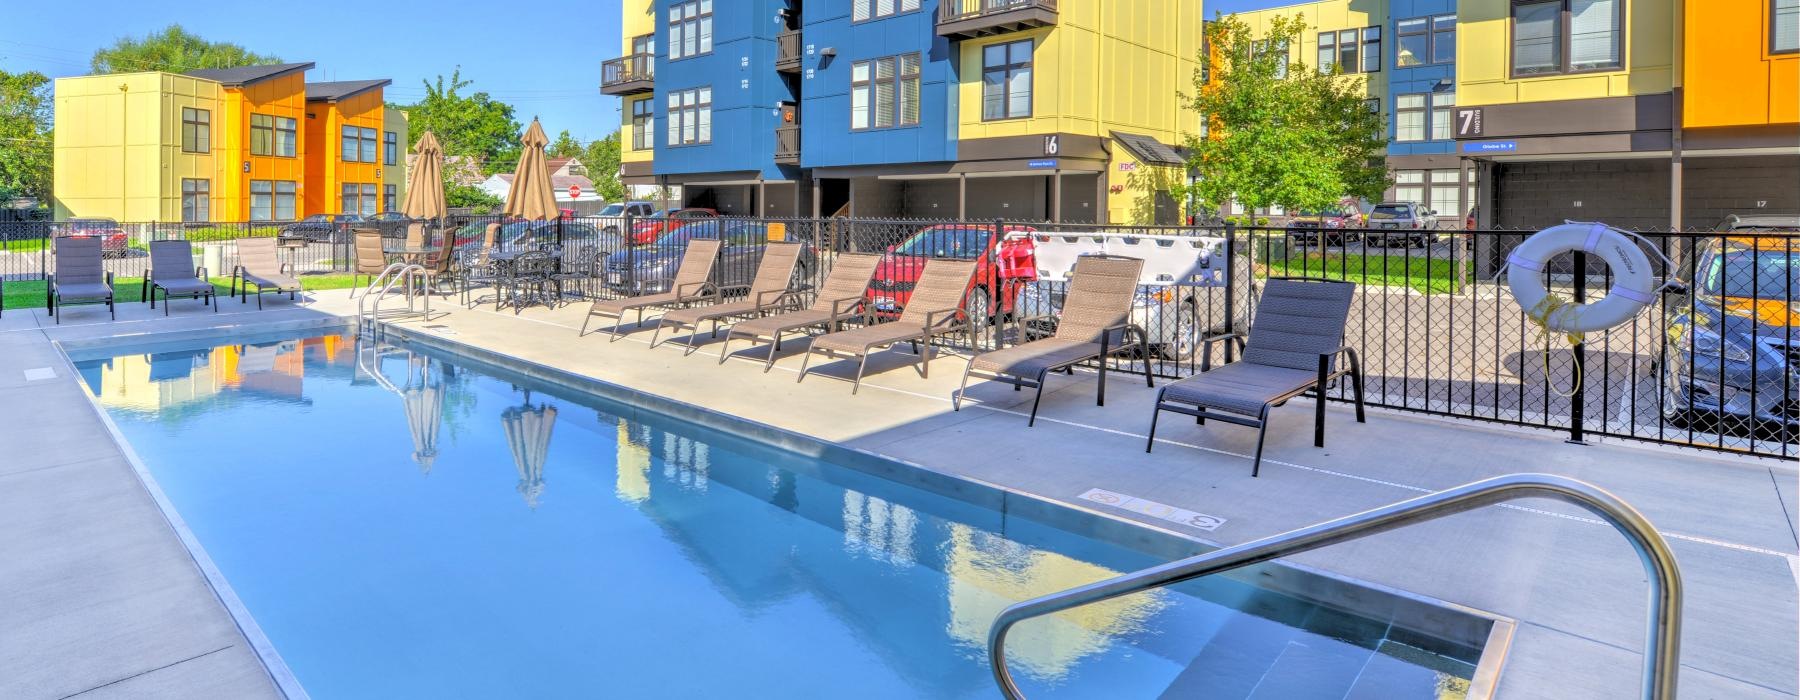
pixel 648 230
pixel 899 269
pixel 113 242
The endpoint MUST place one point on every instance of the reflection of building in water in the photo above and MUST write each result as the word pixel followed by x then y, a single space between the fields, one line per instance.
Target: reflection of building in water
pixel 633 484
pixel 988 573
pixel 164 380
pixel 686 462
pixel 878 529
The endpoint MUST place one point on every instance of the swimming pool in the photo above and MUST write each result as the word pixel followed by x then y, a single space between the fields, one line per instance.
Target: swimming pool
pixel 403 522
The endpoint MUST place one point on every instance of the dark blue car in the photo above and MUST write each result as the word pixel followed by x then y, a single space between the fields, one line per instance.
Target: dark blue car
pixel 1734 350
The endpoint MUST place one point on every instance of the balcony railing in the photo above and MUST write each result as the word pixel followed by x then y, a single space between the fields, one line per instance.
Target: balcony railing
pixel 628 75
pixel 787 145
pixel 787 51
pixel 969 19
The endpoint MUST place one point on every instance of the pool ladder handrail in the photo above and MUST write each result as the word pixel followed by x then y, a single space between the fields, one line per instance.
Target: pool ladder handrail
pixel 1662 651
pixel 399 273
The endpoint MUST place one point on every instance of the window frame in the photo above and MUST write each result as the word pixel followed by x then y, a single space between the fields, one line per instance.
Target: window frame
pixel 370 140
pixel 390 148
pixel 196 128
pixel 289 127
pixel 1424 111
pixel 1449 114
pixel 643 135
pixel 679 28
pixel 1773 50
pixel 678 115
pixel 1564 40
pixel 349 143
pixel 267 132
pixel 1432 32
pixel 1370 49
pixel 196 200
pixel 1006 70
pixel 276 193
pixel 898 79
pixel 874 15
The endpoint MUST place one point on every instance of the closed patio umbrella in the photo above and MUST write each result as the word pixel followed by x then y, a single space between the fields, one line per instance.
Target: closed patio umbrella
pixel 531 195
pixel 425 185
pixel 528 434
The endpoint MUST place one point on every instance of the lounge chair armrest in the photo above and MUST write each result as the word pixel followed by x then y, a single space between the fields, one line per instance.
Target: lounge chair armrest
pixel 933 320
pixel 699 288
pixel 1206 345
pixel 838 310
pixel 764 294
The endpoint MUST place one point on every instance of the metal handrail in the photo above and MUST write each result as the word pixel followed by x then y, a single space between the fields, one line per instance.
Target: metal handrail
pixel 1661 651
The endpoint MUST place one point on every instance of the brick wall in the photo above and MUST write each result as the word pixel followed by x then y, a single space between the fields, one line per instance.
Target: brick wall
pixel 1714 188
pixel 1629 194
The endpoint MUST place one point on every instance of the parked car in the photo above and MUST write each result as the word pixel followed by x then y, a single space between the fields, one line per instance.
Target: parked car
pixel 1168 314
pixel 659 223
pixel 1003 276
pixel 322 227
pixel 1306 226
pixel 1410 224
pixel 113 241
pixel 1733 352
pixel 649 269
pixel 576 237
pixel 620 210
pixel 390 223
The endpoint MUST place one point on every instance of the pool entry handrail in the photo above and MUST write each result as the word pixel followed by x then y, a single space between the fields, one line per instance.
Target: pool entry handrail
pixel 1662 648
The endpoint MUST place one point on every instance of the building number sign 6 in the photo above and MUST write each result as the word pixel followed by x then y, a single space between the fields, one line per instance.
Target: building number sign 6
pixel 1052 144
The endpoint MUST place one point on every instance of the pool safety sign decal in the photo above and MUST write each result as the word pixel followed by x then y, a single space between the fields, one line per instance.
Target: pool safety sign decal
pixel 1181 516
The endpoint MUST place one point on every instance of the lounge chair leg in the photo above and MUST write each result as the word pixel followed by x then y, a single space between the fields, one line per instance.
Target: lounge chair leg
pixel 860 366
pixel 1155 412
pixel 804 361
pixel 1100 390
pixel 772 348
pixel 1319 419
pixel 725 349
pixel 1029 422
pixel 166 302
pixel 1357 383
pixel 1262 431
pixel 259 296
pixel 654 335
pixel 925 361
pixel 956 398
pixel 584 323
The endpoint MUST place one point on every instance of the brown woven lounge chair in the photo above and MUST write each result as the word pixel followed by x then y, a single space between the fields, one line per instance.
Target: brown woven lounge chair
pixel 770 289
pixel 1293 347
pixel 840 299
pixel 259 264
pixel 1095 323
pixel 172 270
pixel 371 260
pixel 81 277
pixel 692 284
pixel 934 309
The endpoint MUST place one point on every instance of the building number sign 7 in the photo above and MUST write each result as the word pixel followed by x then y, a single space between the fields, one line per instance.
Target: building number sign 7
pixel 1469 123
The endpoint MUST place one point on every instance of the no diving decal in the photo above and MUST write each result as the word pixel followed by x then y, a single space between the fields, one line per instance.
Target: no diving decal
pixel 1153 509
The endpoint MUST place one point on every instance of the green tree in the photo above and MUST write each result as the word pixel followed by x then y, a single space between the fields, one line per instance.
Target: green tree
pixel 565 146
pixel 174 50
pixel 25 141
pixel 474 125
pixel 470 196
pixel 1278 132
pixel 602 161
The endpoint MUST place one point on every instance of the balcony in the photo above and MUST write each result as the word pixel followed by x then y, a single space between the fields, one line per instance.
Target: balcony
pixel 787 51
pixel 787 145
pixel 973 19
pixel 628 75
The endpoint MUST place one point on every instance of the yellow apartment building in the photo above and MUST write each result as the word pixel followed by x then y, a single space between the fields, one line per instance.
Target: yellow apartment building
pixel 237 144
pixel 632 77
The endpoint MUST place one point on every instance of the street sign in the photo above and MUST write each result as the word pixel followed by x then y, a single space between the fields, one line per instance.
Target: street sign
pixel 1490 146
pixel 574 191
pixel 1041 164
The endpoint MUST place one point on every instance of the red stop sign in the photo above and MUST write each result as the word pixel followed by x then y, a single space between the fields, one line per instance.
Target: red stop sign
pixel 574 191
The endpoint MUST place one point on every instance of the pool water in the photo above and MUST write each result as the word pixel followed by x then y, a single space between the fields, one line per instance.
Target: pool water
pixel 400 523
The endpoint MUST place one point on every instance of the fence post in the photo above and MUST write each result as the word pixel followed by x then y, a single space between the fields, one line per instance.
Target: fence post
pixel 995 282
pixel 559 229
pixel 625 239
pixel 1578 402
pixel 1231 283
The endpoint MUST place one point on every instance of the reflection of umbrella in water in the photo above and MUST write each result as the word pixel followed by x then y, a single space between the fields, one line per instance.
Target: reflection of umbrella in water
pixel 424 401
pixel 528 433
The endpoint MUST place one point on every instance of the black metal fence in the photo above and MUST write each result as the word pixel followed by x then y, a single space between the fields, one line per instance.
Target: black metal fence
pixel 1713 362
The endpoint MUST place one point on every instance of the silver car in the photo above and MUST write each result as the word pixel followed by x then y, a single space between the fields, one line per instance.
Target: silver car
pixel 1401 224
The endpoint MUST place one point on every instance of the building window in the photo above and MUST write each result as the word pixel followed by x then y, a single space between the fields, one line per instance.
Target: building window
pixel 1443 39
pixel 876 9
pixel 358 145
pixel 262 135
pixel 690 116
pixel 1282 55
pixel 1444 194
pixel 1371 49
pixel 1441 121
pixel 1341 50
pixel 1409 186
pixel 884 92
pixel 360 199
pixel 272 200
pixel 196 200
pixel 643 116
pixel 1784 26
pixel 347 144
pixel 1373 104
pixel 1409 117
pixel 287 137
pixel 390 196
pixel 690 28
pixel 643 45
pixel 348 203
pixel 196 130
pixel 368 200
pixel 1006 80
pixel 390 148
pixel 1425 40
pixel 1566 36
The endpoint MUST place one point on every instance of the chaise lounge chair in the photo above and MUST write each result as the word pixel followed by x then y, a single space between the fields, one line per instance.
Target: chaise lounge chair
pixel 934 309
pixel 1095 323
pixel 770 289
pixel 840 299
pixel 81 277
pixel 172 270
pixel 692 284
pixel 259 264
pixel 1293 347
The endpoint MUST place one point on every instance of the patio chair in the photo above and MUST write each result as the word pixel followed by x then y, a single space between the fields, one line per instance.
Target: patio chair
pixel 172 270
pixel 768 290
pixel 692 283
pixel 1293 347
pixel 1095 323
pixel 371 260
pixel 80 278
pixel 259 264
pixel 840 299
pixel 477 269
pixel 934 309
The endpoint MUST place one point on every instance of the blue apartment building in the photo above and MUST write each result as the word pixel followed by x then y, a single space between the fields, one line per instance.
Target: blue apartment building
pixel 1420 101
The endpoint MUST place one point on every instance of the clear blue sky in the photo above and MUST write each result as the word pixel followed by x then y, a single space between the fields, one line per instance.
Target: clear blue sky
pixel 543 58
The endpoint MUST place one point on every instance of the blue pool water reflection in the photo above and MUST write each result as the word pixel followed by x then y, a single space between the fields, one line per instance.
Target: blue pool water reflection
pixel 401 524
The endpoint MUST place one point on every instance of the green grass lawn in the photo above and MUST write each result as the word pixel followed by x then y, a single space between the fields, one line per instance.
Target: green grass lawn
pixel 28 295
pixel 1428 275
pixel 23 245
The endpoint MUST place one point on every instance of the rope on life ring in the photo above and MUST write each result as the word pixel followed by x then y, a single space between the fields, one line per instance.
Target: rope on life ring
pixel 1633 290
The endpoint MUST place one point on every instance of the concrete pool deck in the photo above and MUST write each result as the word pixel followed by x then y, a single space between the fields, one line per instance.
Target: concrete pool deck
pixel 1575 587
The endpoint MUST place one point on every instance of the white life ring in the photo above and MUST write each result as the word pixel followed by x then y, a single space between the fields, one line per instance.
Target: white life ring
pixel 1633 286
